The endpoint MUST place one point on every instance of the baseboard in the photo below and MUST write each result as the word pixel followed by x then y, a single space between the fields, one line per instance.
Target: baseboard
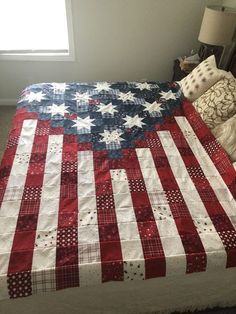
pixel 8 101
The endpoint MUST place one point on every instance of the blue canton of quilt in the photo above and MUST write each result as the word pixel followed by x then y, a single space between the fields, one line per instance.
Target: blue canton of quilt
pixel 110 116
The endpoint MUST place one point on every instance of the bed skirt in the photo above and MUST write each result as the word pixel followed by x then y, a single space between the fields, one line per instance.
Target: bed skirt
pixel 193 292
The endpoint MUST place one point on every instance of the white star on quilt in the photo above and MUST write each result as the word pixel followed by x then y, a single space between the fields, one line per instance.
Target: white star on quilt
pixel 59 87
pixel 168 95
pixel 111 137
pixel 35 96
pixel 82 97
pixel 154 107
pixel 143 86
pixel 85 123
pixel 109 108
pixel 102 86
pixel 58 109
pixel 133 121
pixel 126 96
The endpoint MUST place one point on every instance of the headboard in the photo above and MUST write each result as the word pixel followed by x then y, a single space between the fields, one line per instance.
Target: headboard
pixel 232 64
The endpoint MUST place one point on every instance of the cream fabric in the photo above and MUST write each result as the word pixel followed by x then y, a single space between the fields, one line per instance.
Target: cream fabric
pixel 218 103
pixel 201 79
pixel 226 135
pixel 162 295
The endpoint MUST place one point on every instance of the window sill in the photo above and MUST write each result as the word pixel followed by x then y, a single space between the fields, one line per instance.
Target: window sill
pixel 38 57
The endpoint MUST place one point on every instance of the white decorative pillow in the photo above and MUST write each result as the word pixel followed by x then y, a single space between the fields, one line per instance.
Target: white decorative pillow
pixel 225 133
pixel 200 79
pixel 226 74
pixel 218 103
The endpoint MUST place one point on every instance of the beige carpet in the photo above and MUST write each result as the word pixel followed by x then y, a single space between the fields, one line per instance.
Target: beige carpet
pixel 6 116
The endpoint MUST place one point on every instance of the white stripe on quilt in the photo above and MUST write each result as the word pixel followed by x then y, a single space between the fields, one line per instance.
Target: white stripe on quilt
pixel 171 241
pixel 210 239
pixel 44 257
pixel 131 246
pixel 12 198
pixel 209 169
pixel 88 236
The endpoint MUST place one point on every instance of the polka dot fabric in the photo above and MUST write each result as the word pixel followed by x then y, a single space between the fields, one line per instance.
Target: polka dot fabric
pixel 76 211
pixel 19 285
pixel 200 79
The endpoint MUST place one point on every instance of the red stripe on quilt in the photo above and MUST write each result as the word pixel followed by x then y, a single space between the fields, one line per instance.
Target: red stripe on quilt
pixel 155 264
pixel 218 155
pixel 8 158
pixel 11 147
pixel 110 246
pixel 67 269
pixel 190 238
pixel 24 239
pixel 216 212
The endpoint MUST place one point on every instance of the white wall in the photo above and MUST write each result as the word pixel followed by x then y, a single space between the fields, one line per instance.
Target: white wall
pixel 115 40
pixel 229 49
pixel 229 3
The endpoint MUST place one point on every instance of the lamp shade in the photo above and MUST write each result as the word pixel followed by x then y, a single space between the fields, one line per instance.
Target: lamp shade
pixel 218 25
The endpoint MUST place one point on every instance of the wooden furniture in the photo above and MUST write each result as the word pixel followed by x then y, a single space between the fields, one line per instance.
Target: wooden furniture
pixel 178 74
pixel 232 64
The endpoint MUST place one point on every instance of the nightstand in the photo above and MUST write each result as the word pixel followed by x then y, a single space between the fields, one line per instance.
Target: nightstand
pixel 178 74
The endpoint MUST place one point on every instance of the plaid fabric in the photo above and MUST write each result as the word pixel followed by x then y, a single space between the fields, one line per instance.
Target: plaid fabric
pixel 89 253
pixel 43 281
pixel 111 182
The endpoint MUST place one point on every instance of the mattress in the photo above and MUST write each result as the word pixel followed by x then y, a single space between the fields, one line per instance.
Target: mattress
pixel 113 182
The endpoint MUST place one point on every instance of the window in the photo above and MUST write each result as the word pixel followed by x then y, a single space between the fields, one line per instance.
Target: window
pixel 36 30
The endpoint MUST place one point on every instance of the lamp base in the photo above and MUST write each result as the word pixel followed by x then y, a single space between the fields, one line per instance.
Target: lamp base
pixel 206 51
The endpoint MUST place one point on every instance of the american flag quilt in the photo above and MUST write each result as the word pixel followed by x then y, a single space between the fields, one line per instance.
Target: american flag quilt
pixel 111 182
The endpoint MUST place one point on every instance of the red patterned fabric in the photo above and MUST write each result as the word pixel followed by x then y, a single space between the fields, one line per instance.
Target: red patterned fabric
pixel 81 205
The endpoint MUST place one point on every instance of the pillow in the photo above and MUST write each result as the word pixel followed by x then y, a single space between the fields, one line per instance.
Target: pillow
pixel 218 103
pixel 225 133
pixel 226 74
pixel 201 79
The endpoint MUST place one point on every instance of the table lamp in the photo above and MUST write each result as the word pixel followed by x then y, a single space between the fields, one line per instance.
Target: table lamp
pixel 217 30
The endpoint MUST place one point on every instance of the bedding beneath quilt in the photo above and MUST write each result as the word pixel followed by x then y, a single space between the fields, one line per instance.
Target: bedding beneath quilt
pixel 111 182
pixel 162 295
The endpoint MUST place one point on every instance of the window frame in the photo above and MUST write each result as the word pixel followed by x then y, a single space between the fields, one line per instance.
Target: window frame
pixel 48 55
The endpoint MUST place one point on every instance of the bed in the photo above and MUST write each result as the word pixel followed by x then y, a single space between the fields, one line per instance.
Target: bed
pixel 117 198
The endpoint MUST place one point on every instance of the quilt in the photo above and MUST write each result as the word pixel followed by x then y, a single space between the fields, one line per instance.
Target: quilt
pixel 111 182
